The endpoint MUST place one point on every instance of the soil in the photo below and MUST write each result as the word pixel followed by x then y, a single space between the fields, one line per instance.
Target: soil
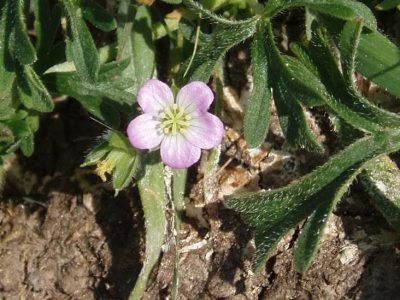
pixel 64 235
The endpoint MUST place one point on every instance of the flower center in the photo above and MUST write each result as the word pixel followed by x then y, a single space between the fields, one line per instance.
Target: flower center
pixel 174 119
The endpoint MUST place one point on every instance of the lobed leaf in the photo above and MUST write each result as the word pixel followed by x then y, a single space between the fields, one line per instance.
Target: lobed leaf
pixel 214 46
pixel 346 102
pixel 273 213
pixel 291 82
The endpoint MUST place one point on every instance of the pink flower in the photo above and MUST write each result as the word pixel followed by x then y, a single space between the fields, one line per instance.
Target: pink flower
pixel 180 128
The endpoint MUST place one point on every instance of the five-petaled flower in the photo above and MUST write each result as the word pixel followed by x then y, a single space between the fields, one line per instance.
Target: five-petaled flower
pixel 180 128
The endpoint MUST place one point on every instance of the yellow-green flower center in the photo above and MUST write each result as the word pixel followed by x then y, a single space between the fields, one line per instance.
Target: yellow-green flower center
pixel 174 119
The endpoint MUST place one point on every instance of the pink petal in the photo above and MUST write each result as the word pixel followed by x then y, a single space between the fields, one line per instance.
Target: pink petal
pixel 205 131
pixel 178 153
pixel 195 96
pixel 154 95
pixel 144 132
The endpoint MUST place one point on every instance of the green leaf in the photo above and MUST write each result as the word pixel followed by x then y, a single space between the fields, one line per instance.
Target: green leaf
pixel 346 102
pixel 96 154
pixel 82 47
pixel 384 70
pixel 27 145
pixel 342 9
pixel 308 241
pixel 23 48
pixel 68 83
pixel 154 199
pixel 172 1
pixel 97 15
pixel 382 182
pixel 291 82
pixel 273 213
pixel 135 42
pixel 46 24
pixel 214 47
pixel 349 41
pixel 257 116
pixel 381 69
pixel 32 93
pixel 7 74
pixel 204 12
pixel 6 108
pixel 388 4
pixel 125 166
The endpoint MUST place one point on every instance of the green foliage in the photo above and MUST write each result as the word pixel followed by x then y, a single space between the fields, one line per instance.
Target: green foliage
pixel 135 42
pixel 388 4
pixel 20 86
pixel 274 213
pixel 342 9
pixel 116 156
pixel 256 120
pixel 80 43
pixel 291 82
pixel 154 199
pixel 212 47
pixel 381 179
pixel 97 15
pixel 59 54
pixel 321 77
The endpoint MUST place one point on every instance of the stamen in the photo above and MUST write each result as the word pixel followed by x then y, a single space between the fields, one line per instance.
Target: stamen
pixel 174 119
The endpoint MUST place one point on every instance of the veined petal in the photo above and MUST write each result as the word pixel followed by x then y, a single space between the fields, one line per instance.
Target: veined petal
pixel 195 96
pixel 205 131
pixel 154 95
pixel 144 132
pixel 178 153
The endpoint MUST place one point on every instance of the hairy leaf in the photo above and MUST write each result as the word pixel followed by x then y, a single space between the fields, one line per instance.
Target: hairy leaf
pixel 256 120
pixel 346 102
pixel 135 42
pixel 7 74
pixel 273 213
pixel 97 15
pixel 23 48
pixel 154 199
pixel 214 46
pixel 81 44
pixel 342 9
pixel 291 82
pixel 46 23
pixel 349 41
pixel 382 181
pixel 384 70
pixel 198 8
pixel 32 93
pixel 310 236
